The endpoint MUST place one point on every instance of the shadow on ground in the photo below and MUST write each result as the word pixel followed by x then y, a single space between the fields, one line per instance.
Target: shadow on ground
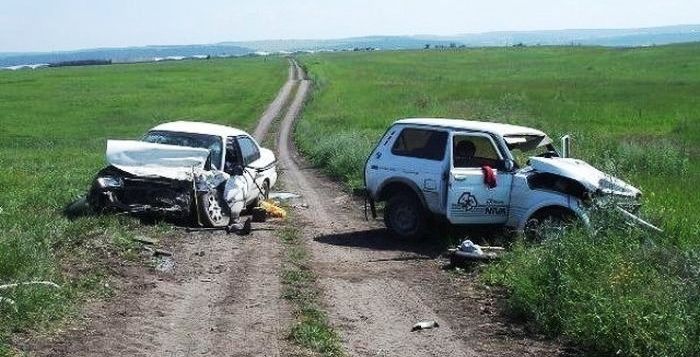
pixel 379 239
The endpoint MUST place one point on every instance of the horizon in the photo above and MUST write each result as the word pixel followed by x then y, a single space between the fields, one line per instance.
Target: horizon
pixel 73 25
pixel 243 42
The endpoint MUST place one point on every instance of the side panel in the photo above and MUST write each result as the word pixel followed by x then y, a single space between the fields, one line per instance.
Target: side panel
pixel 427 175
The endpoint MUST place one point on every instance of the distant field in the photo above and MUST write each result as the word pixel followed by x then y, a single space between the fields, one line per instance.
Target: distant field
pixel 54 124
pixel 633 112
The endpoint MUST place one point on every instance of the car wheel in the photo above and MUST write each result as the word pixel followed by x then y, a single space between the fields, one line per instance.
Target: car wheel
pixel 405 216
pixel 547 225
pixel 213 209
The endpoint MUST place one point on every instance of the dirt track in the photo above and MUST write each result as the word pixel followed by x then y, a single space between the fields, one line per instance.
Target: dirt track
pixel 227 301
pixel 376 288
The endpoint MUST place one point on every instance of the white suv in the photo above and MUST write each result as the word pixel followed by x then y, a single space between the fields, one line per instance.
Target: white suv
pixel 482 173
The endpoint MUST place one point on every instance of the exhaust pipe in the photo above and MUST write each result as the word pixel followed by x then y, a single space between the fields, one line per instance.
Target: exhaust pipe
pixel 566 146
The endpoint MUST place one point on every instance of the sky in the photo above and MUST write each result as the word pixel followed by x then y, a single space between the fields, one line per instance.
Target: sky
pixel 52 25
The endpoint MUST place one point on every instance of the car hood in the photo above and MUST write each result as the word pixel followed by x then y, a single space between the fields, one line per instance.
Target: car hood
pixel 590 177
pixel 156 160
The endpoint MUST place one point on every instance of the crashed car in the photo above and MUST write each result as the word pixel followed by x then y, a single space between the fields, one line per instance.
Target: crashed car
pixel 488 174
pixel 185 170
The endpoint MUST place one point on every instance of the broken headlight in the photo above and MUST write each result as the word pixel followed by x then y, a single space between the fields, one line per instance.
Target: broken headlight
pixel 110 182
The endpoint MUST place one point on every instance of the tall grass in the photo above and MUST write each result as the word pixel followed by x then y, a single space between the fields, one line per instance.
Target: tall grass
pixel 632 113
pixel 620 291
pixel 53 127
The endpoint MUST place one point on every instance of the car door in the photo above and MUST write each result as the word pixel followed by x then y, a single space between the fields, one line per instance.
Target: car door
pixel 250 153
pixel 469 199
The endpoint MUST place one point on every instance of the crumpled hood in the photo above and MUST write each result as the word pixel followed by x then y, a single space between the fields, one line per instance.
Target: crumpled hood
pixel 156 160
pixel 592 178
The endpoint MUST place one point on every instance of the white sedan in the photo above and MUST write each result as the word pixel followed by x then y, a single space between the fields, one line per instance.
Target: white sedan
pixel 179 166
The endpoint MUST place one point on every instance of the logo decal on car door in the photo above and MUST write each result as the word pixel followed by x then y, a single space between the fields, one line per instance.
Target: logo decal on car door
pixel 467 201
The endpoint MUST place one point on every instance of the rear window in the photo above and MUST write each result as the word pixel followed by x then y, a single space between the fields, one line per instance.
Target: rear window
pixel 421 143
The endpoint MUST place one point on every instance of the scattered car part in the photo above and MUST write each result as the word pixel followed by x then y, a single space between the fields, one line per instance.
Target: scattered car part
pixel 425 325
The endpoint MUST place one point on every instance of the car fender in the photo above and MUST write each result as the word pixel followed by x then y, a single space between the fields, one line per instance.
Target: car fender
pixel 553 200
pixel 380 193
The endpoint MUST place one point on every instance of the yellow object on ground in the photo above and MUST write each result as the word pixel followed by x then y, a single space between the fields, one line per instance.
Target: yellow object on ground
pixel 273 210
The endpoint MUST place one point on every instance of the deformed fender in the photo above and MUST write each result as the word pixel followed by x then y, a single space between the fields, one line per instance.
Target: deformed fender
pixel 569 203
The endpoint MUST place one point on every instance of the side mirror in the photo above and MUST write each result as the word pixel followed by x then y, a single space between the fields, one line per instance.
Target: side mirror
pixel 566 146
pixel 509 165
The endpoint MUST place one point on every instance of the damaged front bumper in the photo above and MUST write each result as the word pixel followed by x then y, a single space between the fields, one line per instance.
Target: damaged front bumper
pixel 113 190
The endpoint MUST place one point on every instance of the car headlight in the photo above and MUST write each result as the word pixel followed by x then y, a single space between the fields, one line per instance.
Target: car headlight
pixel 110 182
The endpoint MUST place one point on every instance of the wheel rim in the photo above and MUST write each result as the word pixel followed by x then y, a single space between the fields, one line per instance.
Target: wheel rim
pixel 404 219
pixel 214 210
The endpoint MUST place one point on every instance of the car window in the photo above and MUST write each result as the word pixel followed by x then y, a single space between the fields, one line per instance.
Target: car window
pixel 474 151
pixel 421 143
pixel 249 151
pixel 209 142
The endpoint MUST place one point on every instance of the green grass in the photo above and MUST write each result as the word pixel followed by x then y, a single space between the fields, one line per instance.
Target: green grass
pixel 632 112
pixel 311 329
pixel 54 124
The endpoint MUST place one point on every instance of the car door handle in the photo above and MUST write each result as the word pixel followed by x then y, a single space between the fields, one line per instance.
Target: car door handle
pixel 460 178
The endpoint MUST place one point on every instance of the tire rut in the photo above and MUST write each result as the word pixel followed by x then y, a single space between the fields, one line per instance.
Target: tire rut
pixel 374 305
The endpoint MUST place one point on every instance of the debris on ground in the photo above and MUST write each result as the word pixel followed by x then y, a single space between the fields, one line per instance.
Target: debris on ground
pixel 425 325
pixel 273 210
pixel 282 196
pixel 14 285
pixel 259 214
pixel 242 229
pixel 166 264
pixel 145 240
pixel 468 252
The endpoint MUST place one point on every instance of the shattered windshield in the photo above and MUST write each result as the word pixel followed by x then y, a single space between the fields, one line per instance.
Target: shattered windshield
pixel 209 142
pixel 523 147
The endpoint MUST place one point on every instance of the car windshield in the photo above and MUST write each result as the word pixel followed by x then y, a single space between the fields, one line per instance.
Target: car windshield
pixel 209 142
pixel 524 146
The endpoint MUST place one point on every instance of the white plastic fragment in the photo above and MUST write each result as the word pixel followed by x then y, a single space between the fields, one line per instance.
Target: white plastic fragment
pixel 469 247
pixel 425 325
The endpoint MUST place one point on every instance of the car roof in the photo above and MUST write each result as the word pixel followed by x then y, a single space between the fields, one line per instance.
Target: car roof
pixel 469 125
pixel 196 127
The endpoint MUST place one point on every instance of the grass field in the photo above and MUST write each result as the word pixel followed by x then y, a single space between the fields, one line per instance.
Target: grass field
pixel 53 129
pixel 633 112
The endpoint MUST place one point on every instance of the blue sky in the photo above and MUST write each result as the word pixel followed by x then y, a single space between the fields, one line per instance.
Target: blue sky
pixel 48 25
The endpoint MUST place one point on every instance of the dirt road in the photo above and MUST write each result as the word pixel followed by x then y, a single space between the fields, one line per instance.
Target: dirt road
pixel 223 297
pixel 376 288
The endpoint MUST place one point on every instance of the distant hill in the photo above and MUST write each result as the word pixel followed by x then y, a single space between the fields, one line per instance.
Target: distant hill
pixel 128 54
pixel 377 42
pixel 600 37
pixel 610 37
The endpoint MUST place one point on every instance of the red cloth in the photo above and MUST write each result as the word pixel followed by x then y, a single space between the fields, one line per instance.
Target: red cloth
pixel 489 176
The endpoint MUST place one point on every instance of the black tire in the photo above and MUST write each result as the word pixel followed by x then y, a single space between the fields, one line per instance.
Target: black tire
pixel 405 216
pixel 213 210
pixel 548 223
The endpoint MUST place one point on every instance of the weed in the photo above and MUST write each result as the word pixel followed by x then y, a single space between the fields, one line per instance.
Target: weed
pixel 311 329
